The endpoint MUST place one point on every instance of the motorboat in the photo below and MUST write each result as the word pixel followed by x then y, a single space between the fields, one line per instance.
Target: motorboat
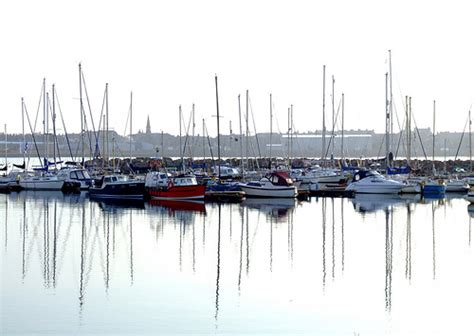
pixel 223 191
pixel 456 185
pixel 371 182
pixel 433 187
pixel 78 175
pixel 117 187
pixel 181 187
pixel 275 184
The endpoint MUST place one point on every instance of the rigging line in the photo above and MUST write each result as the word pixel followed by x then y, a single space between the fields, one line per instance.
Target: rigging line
pixel 462 135
pixel 209 142
pixel 275 116
pixel 39 105
pixel 33 136
pixel 255 128
pixel 331 138
pixel 64 125
pixel 53 118
pixel 419 137
pixel 89 106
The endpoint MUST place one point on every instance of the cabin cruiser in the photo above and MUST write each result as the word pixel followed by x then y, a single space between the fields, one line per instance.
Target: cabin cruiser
pixel 371 182
pixel 276 184
pixel 161 186
pixel 117 187
pixel 78 175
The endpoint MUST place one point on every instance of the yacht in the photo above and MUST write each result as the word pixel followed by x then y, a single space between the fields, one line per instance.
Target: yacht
pixel 371 182
pixel 78 175
pixel 161 186
pixel 118 187
pixel 276 184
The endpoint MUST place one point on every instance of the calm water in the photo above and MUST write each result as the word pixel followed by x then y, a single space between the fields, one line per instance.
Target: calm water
pixel 372 265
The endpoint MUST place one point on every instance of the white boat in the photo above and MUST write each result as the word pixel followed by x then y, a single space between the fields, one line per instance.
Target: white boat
pixel 277 184
pixel 371 182
pixel 78 175
pixel 455 185
pixel 41 182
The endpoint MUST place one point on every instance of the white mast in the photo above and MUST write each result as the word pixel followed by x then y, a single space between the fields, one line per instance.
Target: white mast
pixel 23 132
pixel 81 107
pixel 131 104
pixel 390 96
pixel 6 148
pixel 241 140
pixel 323 150
pixel 247 129
pixel 387 124
pixel 271 129
pixel 333 122
pixel 180 142
pixel 342 129
pixel 107 124
pixel 470 140
pixel 434 129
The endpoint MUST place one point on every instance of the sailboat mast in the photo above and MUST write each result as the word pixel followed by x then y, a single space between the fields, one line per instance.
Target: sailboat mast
pixel 333 121
pixel 387 124
pixel 323 149
pixel 241 139
pixel 23 147
pixel 203 141
pixel 247 129
pixel 434 132
pixel 81 107
pixel 271 129
pixel 470 140
pixel 130 144
pixel 180 142
pixel 390 95
pixel 193 133
pixel 218 134
pixel 6 147
pixel 46 134
pixel 53 118
pixel 107 125
pixel 342 128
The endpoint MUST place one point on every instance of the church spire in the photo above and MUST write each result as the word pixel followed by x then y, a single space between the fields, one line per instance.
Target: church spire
pixel 148 127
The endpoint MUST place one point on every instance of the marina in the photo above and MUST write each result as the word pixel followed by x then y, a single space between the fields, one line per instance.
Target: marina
pixel 369 265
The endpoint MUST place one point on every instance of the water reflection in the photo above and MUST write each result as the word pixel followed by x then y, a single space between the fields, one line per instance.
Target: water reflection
pixel 278 208
pixel 234 258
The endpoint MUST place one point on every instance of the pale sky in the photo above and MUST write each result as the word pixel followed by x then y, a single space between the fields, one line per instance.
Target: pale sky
pixel 167 53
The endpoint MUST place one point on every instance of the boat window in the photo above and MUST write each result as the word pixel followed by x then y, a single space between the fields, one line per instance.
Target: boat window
pixel 73 175
pixel 86 174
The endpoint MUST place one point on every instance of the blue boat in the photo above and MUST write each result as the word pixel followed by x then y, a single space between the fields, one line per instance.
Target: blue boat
pixel 118 187
pixel 434 187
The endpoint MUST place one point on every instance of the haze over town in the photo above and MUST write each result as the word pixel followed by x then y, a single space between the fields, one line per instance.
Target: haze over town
pixel 167 53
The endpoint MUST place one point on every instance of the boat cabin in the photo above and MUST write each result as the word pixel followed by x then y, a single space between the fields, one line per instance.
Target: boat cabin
pixel 280 178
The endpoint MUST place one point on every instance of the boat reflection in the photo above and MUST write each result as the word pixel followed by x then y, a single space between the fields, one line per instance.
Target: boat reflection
pixel 470 210
pixel 179 206
pixel 375 202
pixel 277 208
pixel 118 205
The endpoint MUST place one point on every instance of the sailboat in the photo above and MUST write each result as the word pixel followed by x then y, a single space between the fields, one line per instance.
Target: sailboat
pixel 218 189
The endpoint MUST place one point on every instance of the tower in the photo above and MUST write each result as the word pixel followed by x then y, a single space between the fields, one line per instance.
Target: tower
pixel 148 128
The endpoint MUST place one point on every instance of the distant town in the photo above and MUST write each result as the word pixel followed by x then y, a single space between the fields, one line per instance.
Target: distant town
pixel 354 143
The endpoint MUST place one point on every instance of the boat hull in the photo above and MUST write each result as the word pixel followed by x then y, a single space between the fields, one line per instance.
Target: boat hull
pixel 178 193
pixel 41 184
pixel 276 192
pixel 374 189
pixel 130 190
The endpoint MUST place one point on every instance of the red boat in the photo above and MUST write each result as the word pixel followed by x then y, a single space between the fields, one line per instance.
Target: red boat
pixel 182 187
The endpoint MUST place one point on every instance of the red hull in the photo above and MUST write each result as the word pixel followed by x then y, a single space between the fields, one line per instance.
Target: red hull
pixel 179 192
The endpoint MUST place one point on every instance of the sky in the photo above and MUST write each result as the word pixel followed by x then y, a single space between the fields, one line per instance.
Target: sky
pixel 168 52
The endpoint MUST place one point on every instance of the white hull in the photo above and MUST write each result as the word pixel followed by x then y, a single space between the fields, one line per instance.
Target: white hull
pixel 375 188
pixel 41 183
pixel 282 192
pixel 456 187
